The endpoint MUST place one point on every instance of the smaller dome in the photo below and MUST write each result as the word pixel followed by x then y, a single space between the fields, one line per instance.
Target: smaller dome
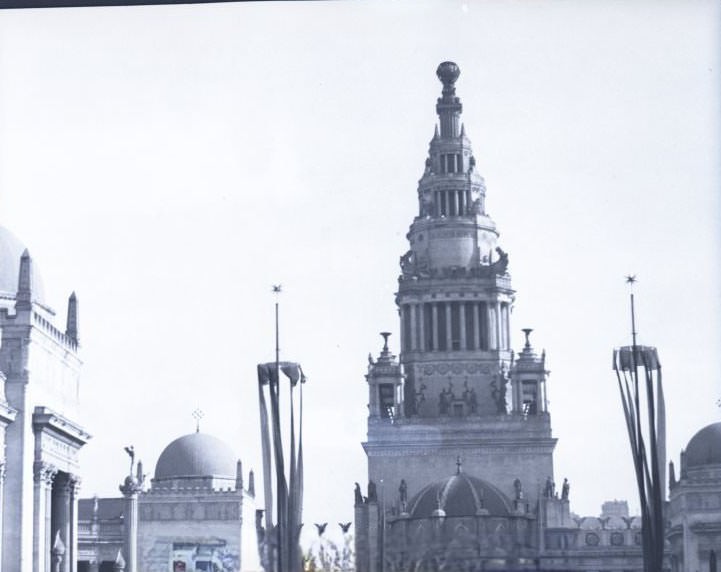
pixel 704 448
pixel 196 455
pixel 459 495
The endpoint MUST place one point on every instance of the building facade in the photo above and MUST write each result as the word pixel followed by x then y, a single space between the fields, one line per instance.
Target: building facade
pixel 39 420
pixel 694 511
pixel 197 514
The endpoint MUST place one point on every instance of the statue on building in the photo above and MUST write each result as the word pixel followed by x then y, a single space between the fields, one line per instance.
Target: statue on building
pixel 500 266
pixel 565 489
pixel 130 450
pixel 407 263
pixel 499 386
pixel 469 398
pixel 358 495
pixel 372 492
pixel 419 398
pixel 443 402
pixel 549 489
pixel 403 494
pixel 518 487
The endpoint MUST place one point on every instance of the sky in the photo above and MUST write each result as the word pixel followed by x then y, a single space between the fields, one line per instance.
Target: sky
pixel 171 163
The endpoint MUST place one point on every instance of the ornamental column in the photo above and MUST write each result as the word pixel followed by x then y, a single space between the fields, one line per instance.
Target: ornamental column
pixel 449 333
pixel 476 326
pixel 414 327
pixel 2 488
pixel 72 548
pixel 422 327
pixel 61 513
pixel 131 488
pixel 434 324
pixel 43 475
pixel 462 320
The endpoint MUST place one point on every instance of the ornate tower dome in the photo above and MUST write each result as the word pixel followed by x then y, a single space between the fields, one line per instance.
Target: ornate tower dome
pixel 197 459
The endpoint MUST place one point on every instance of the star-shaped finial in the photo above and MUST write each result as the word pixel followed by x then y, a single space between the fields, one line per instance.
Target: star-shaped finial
pixel 631 279
pixel 277 288
pixel 198 415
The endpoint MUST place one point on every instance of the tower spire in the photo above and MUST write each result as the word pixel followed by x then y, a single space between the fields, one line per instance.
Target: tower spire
pixel 25 285
pixel 71 329
pixel 449 106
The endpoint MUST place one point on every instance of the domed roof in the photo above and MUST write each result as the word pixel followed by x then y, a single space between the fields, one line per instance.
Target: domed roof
pixel 459 495
pixel 704 448
pixel 196 455
pixel 11 250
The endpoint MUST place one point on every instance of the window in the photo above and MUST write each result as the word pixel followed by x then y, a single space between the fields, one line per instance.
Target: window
pixel 386 399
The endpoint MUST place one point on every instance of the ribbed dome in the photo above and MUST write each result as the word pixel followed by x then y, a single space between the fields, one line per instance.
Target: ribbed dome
pixel 459 495
pixel 196 455
pixel 11 250
pixel 704 448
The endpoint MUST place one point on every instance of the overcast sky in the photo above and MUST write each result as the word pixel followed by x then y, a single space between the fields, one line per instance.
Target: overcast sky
pixel 171 163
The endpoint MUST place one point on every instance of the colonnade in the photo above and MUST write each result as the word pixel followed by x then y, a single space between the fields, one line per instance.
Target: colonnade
pixel 453 202
pixel 55 497
pixel 449 326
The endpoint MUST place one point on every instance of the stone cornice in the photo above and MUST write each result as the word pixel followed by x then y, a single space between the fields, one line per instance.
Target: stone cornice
pixel 45 419
pixel 7 414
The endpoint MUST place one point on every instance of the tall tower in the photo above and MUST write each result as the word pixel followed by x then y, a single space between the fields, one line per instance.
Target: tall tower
pixel 456 394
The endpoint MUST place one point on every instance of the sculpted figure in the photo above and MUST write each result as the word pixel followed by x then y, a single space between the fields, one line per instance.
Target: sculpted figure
pixel 358 495
pixel 565 489
pixel 518 488
pixel 372 492
pixel 403 491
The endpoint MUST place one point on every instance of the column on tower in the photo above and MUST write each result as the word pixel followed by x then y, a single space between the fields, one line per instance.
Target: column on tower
pixel 476 326
pixel 454 194
pixel 449 332
pixel 421 327
pixel 462 320
pixel 413 326
pixel 492 330
pixel 499 330
pixel 434 323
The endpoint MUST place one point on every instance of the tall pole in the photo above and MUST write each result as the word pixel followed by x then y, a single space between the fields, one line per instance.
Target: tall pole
pixel 277 290
pixel 647 459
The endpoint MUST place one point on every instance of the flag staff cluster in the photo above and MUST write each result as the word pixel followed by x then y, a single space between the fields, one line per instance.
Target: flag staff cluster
pixel 638 371
pixel 280 547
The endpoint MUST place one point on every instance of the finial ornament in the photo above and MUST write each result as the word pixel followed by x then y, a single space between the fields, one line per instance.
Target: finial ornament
pixel 448 73
pixel 198 415
pixel 527 333
pixel 277 288
pixel 459 464
pixel 385 340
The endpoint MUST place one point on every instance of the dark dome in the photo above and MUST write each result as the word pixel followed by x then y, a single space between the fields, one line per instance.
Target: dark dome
pixel 704 448
pixel 196 455
pixel 459 495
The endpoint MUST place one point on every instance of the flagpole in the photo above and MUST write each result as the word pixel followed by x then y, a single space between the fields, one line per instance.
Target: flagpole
pixel 279 551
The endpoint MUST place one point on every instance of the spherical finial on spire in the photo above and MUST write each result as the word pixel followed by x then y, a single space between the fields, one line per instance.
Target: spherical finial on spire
pixel 448 73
